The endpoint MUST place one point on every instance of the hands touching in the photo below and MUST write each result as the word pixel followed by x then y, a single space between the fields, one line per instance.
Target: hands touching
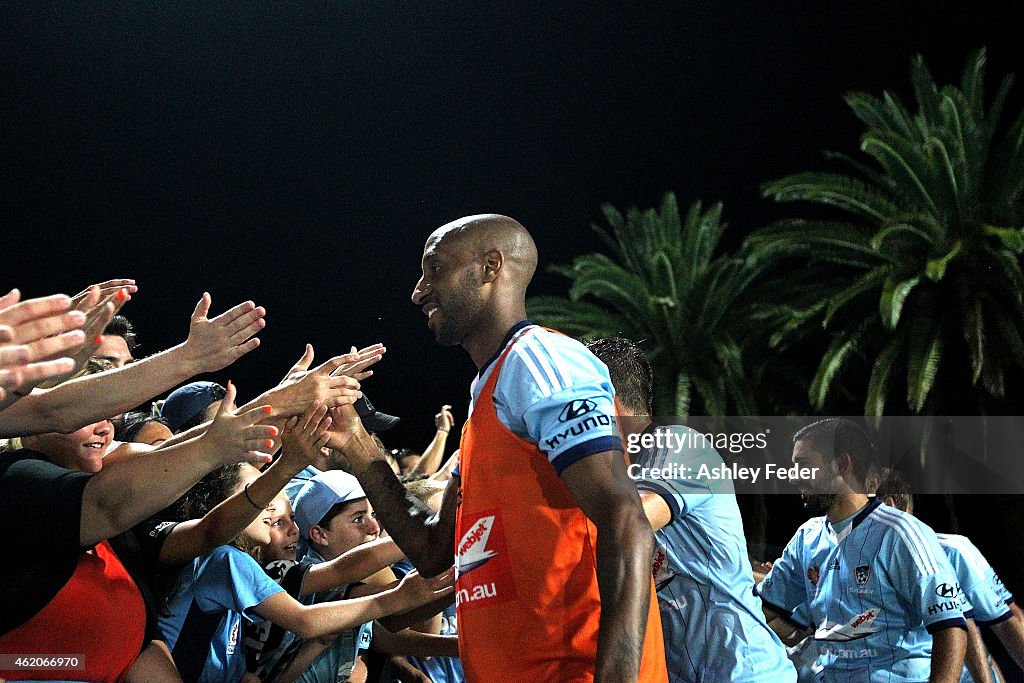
pixel 334 383
pixel 304 436
pixel 37 338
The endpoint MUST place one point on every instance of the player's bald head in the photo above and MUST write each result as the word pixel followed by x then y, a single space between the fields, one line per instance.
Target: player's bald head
pixel 483 233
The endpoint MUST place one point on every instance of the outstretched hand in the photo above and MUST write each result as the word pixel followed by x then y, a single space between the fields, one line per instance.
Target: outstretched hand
pixel 215 343
pixel 420 590
pixel 301 386
pixel 234 435
pixel 35 335
pixel 100 303
pixel 305 435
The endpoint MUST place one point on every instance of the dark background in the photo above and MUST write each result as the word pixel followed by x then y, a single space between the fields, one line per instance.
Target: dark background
pixel 298 154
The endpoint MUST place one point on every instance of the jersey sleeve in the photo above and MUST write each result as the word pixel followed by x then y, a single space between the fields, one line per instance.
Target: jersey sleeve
pixel 672 472
pixel 553 392
pixel 922 576
pixel 783 589
pixel 977 580
pixel 48 499
pixel 231 580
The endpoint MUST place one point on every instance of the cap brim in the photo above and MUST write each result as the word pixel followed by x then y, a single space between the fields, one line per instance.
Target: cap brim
pixel 380 422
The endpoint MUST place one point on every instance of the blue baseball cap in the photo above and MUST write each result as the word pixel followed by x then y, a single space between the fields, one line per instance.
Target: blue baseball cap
pixel 185 403
pixel 316 498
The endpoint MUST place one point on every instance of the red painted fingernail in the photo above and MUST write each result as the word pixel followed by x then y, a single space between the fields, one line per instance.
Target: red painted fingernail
pixel 267 458
pixel 270 443
pixel 121 295
pixel 273 431
pixel 98 339
pixel 268 410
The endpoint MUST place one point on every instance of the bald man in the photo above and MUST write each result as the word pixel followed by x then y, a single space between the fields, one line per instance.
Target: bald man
pixel 545 526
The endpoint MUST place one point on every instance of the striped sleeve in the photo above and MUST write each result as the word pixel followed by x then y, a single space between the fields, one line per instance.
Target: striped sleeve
pixel 921 574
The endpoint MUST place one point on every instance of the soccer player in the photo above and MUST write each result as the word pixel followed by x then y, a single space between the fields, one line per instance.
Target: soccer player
pixel 879 591
pixel 990 602
pixel 714 626
pixel 551 543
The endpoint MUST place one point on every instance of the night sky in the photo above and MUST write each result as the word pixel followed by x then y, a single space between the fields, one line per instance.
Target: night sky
pixel 298 154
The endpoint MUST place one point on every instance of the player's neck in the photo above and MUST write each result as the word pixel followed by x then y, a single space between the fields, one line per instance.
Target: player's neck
pixel 632 424
pixel 845 506
pixel 487 340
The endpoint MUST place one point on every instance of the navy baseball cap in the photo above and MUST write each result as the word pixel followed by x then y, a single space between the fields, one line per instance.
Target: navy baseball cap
pixel 185 403
pixel 373 419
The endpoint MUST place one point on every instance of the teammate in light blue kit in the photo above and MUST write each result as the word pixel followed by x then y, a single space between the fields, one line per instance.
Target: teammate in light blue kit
pixel 985 593
pixel 883 599
pixel 713 624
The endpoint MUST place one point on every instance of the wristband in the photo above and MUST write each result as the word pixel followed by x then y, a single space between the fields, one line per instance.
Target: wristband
pixel 251 501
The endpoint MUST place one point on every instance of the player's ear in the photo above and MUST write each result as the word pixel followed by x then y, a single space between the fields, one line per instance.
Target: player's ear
pixel 890 501
pixel 844 463
pixel 493 261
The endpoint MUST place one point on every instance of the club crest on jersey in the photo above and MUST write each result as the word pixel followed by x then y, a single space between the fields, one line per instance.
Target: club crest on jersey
pixel 861 574
pixel 576 408
pixel 813 575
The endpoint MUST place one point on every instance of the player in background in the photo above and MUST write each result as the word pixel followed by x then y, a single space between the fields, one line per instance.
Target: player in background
pixel 713 623
pixel 992 604
pixel 872 581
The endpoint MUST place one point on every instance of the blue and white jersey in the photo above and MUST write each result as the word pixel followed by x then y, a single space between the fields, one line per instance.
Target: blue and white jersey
pixel 203 627
pixel 713 623
pixel 979 583
pixel 555 393
pixel 875 591
pixel 337 661
pixel 977 579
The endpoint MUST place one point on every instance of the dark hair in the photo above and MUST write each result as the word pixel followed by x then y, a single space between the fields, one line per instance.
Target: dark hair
pixel 130 424
pixel 629 369
pixel 120 326
pixel 894 486
pixel 836 435
pixel 336 510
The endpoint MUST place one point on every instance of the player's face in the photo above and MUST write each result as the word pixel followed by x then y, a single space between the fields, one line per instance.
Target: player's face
pixel 448 292
pixel 114 349
pixel 81 450
pixel 355 525
pixel 818 492
pixel 284 534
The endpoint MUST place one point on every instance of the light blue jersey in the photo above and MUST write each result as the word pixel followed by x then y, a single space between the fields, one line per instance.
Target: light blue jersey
pixel 555 393
pixel 874 591
pixel 713 623
pixel 204 621
pixel 339 659
pixel 979 583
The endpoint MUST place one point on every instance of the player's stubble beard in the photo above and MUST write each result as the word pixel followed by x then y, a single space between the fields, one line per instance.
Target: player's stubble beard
pixel 460 313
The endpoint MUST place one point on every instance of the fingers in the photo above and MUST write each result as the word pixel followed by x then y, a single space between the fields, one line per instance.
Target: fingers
pixel 34 309
pixel 202 308
pixel 312 415
pixel 96 321
pixel 304 362
pixel 242 349
pixel 10 378
pixel 9 299
pixel 37 372
pixel 6 334
pixel 330 366
pixel 32 330
pixel 228 400
pixel 255 324
pixel 233 313
pixel 253 415
pixel 344 397
pixel 14 355
pixel 56 346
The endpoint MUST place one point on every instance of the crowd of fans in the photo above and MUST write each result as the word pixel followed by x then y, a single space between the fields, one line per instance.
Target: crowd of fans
pixel 157 539
pixel 189 538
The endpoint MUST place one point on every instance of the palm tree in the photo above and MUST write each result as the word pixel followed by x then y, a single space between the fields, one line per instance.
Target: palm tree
pixel 917 276
pixel 662 282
